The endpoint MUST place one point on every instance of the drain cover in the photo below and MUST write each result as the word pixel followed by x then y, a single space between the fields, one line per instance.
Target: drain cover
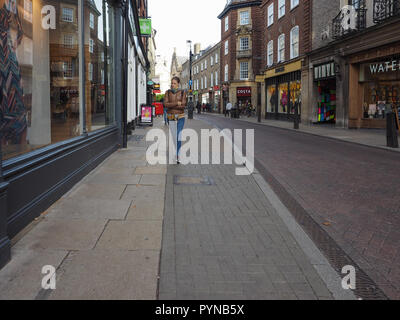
pixel 193 180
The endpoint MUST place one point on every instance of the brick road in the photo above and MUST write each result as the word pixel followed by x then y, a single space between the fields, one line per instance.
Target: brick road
pixel 351 191
pixel 226 241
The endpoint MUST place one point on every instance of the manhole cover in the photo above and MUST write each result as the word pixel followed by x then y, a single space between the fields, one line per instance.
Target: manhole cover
pixel 193 180
pixel 136 137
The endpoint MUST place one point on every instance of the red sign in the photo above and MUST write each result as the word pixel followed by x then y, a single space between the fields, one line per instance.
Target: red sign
pixel 156 91
pixel 216 88
pixel 243 92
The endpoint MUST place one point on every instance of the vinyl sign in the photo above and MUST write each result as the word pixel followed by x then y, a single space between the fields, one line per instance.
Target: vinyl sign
pixel 244 92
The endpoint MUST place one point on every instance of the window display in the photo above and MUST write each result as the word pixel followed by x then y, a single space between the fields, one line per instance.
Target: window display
pixel 40 102
pixel 326 108
pixel 295 97
pixel 283 98
pixel 271 98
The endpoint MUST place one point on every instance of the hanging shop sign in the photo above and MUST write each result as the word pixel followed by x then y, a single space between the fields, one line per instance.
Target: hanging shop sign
pixel 145 27
pixel 216 88
pixel 324 71
pixel 243 92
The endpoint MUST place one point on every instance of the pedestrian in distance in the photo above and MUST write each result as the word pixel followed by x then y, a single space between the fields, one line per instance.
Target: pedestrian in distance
pixel 228 109
pixel 175 101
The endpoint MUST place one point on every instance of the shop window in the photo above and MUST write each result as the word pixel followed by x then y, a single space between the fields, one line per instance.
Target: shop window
pixel 281 8
pixel 295 97
pixel 244 70
pixel 270 53
pixel 294 42
pixel 326 100
pixel 244 18
pixel 281 48
pixel 68 14
pixel 244 43
pixel 272 99
pixel 283 98
pixel 270 14
pixel 40 103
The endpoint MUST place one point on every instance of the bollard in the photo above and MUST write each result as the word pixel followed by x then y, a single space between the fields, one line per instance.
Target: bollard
pixel 190 110
pixel 296 118
pixel 391 131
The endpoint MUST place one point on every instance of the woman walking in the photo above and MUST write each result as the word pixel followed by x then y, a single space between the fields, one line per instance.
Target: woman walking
pixel 175 102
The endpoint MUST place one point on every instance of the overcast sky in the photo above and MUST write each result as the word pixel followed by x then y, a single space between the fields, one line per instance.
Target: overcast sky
pixel 179 20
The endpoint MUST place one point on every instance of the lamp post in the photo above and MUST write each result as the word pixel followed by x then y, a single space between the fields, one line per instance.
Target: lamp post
pixel 190 104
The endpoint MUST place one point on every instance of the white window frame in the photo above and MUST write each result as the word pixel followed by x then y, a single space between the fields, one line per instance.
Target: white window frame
pixel 212 80
pixel 226 75
pixel 244 72
pixel 28 10
pixel 67 17
pixel 292 56
pixel 67 70
pixel 202 83
pixel 91 45
pixel 68 41
pixel 91 20
pixel 205 82
pixel 90 71
pixel 281 8
pixel 216 78
pixel 281 49
pixel 226 47
pixel 244 20
pixel 271 14
pixel 270 53
pixel 241 46
pixel 216 58
pixel 294 3
pixel 226 23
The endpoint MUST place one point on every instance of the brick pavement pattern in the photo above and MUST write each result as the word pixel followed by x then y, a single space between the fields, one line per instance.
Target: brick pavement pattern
pixel 351 191
pixel 226 241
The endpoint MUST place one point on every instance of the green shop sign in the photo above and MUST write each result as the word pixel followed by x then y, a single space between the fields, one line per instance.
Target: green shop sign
pixel 145 27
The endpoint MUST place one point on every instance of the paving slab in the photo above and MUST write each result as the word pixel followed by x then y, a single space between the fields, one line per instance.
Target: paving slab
pixel 158 169
pixel 63 234
pixel 152 180
pixel 97 191
pixel 146 210
pixel 108 275
pixel 131 235
pixel 113 178
pixel 22 277
pixel 143 193
pixel 90 209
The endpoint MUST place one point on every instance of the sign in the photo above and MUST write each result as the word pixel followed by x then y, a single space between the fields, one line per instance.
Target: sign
pixel 243 92
pixel 146 114
pixel 324 71
pixel 150 83
pixel 216 88
pixel 280 69
pixel 195 93
pixel 382 67
pixel 145 27
pixel 156 91
pixel 190 82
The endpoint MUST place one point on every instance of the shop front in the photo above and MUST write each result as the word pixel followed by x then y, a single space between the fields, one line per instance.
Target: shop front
pixel 324 87
pixel 243 97
pixel 374 88
pixel 60 103
pixel 283 92
pixel 217 98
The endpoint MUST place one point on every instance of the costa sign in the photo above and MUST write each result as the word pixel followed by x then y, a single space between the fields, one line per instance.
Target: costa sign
pixel 244 92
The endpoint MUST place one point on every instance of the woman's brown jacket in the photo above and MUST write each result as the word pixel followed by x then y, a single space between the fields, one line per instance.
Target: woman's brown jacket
pixel 171 101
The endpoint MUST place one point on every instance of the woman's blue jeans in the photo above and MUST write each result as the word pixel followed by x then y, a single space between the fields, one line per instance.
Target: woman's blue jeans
pixel 176 128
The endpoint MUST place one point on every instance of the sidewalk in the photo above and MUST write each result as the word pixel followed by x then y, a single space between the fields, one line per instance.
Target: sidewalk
pixel 368 137
pixel 133 231
pixel 103 237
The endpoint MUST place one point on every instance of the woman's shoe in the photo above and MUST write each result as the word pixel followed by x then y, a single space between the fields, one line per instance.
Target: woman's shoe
pixel 177 160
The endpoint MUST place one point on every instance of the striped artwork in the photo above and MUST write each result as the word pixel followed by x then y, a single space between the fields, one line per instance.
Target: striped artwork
pixel 13 122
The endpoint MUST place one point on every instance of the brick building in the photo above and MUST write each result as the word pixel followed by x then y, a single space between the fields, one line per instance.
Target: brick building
pixel 241 51
pixel 286 41
pixel 206 76
pixel 353 69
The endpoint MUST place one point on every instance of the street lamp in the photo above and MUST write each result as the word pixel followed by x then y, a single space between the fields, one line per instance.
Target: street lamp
pixel 190 104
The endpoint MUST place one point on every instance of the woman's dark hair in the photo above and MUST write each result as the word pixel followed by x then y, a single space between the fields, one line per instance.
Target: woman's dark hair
pixel 176 79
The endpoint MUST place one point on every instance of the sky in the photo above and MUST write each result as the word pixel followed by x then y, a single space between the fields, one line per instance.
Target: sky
pixel 179 20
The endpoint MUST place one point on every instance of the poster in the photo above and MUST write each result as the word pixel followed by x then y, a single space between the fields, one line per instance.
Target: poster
pixel 146 116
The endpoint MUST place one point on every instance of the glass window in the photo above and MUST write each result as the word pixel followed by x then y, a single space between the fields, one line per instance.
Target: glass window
pixel 41 103
pixel 226 47
pixel 68 14
pixel 212 61
pixel 205 82
pixel 244 18
pixel 91 21
pixel 283 98
pixel 281 8
pixel 212 80
pixel 294 3
pixel 270 14
pixel 281 48
pixel 294 42
pixel 272 99
pixel 216 78
pixel 270 53
pixel 205 65
pixel 227 23
pixel 295 96
pixel 216 58
pixel 244 70
pixel 91 45
pixel 226 72
pixel 244 43
pixel 202 83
